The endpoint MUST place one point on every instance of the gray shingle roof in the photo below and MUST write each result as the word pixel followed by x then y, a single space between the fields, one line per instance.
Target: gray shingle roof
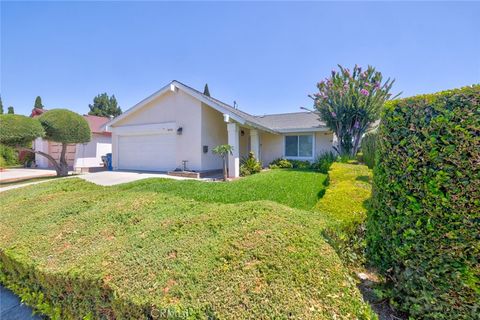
pixel 292 121
pixel 283 122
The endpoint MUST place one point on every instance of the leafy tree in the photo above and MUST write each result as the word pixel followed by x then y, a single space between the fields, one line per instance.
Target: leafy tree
pixel 349 102
pixel 105 106
pixel 223 151
pixel 38 103
pixel 1 105
pixel 11 110
pixel 64 126
pixel 57 125
pixel 206 91
pixel 19 131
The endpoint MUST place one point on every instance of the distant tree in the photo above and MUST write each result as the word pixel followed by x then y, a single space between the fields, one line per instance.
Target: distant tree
pixel 59 125
pixel 38 103
pixel 1 105
pixel 105 106
pixel 350 102
pixel 223 151
pixel 11 110
pixel 206 91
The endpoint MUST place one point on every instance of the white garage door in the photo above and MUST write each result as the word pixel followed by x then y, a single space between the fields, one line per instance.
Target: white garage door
pixel 155 152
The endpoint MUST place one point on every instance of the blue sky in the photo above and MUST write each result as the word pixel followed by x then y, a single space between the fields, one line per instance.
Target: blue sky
pixel 267 56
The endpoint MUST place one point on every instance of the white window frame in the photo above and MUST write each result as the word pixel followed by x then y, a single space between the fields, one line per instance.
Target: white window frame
pixel 298 141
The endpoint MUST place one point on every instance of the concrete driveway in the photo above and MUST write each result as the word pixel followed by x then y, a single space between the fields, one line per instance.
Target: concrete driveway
pixel 110 178
pixel 18 174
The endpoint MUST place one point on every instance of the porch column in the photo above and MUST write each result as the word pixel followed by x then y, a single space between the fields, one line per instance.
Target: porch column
pixel 234 158
pixel 255 143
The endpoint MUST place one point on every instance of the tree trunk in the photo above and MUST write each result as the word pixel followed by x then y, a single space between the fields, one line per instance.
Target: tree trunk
pixel 341 148
pixel 356 143
pixel 62 170
pixel 46 155
pixel 225 172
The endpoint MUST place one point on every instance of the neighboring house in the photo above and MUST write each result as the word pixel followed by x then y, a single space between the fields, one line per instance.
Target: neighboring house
pixel 178 123
pixel 80 157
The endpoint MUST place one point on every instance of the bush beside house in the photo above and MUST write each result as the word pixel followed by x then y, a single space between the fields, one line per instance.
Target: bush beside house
pixel 368 149
pixel 8 155
pixel 322 163
pixel 424 220
pixel 280 163
pixel 250 165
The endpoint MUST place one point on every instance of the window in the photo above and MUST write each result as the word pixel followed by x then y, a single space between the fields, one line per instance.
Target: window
pixel 299 146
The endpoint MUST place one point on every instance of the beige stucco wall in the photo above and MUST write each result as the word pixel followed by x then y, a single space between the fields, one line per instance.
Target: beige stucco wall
pixel 177 107
pixel 214 133
pixel 272 145
pixel 323 142
pixel 244 142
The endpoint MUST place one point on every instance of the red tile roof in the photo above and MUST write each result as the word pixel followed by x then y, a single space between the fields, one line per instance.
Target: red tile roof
pixel 96 123
pixel 36 112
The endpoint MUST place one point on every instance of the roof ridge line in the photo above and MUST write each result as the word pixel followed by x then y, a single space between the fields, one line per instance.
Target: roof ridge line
pixel 213 98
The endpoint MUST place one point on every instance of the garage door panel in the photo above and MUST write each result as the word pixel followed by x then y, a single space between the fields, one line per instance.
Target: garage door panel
pixel 154 152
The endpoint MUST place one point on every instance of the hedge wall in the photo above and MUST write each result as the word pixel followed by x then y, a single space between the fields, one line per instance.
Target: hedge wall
pixel 423 224
pixel 368 149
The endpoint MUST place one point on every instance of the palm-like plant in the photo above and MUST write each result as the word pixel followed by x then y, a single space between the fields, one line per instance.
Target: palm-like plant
pixel 223 151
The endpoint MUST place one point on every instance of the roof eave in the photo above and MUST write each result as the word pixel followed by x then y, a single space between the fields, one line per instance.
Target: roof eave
pixel 260 127
pixel 296 130
pixel 148 99
pixel 212 104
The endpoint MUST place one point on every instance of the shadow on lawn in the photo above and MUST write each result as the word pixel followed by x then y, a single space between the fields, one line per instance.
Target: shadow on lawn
pixel 366 179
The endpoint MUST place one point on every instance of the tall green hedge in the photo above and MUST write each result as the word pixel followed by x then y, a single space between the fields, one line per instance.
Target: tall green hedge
pixel 368 148
pixel 423 224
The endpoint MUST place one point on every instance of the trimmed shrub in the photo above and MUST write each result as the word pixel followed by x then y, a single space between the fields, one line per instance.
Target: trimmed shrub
pixel 9 155
pixel 368 149
pixel 3 163
pixel 300 164
pixel 19 130
pixel 250 165
pixel 323 162
pixel 280 164
pixel 65 126
pixel 423 221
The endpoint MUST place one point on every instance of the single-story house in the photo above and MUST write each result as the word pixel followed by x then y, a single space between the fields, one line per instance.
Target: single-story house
pixel 179 125
pixel 82 157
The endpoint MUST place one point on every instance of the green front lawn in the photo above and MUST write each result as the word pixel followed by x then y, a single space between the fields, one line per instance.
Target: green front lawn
pixel 295 188
pixel 192 248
